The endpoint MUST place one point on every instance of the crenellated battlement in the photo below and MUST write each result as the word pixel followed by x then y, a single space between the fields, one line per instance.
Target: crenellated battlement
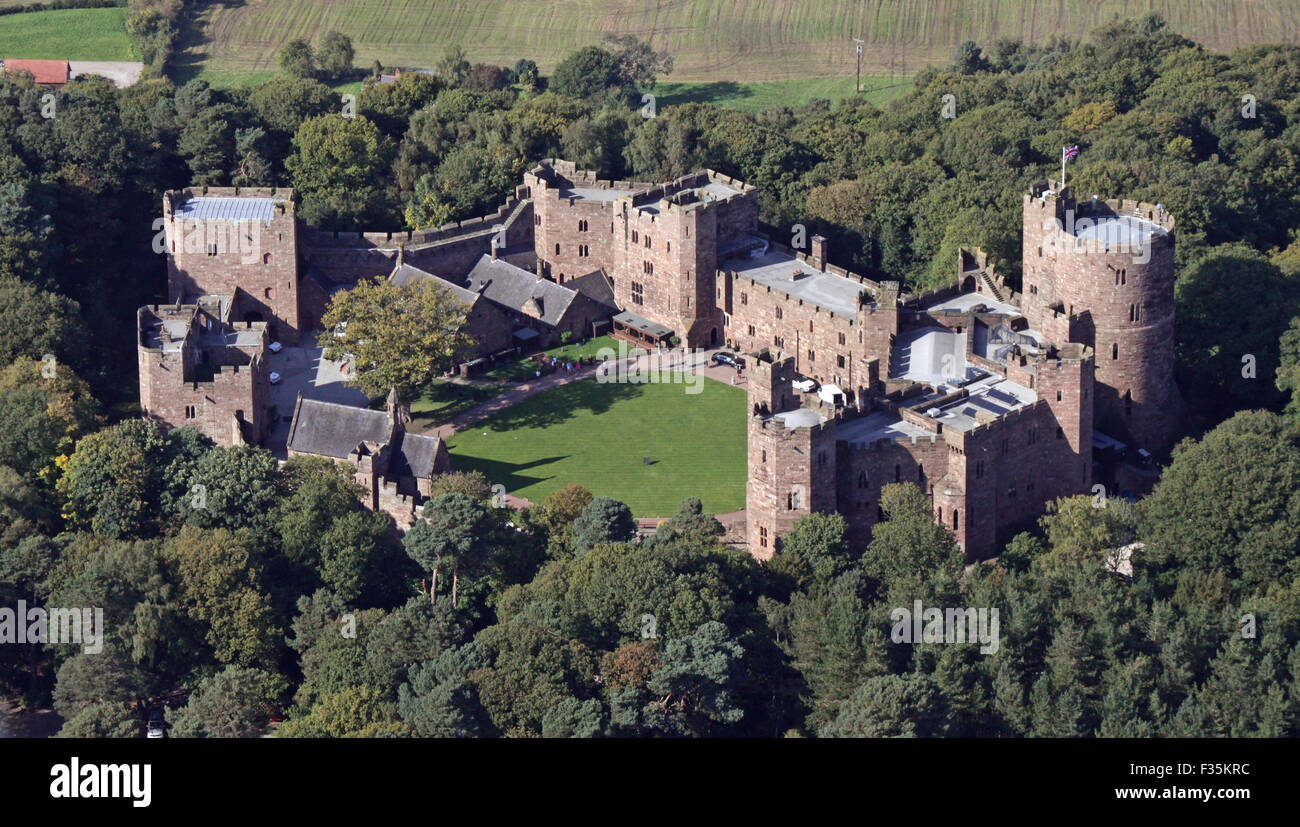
pixel 415 240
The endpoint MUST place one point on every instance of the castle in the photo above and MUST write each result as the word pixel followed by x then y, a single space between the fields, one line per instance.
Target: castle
pixel 994 402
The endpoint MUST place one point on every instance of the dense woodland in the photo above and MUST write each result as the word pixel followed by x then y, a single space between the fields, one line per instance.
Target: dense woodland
pixel 278 592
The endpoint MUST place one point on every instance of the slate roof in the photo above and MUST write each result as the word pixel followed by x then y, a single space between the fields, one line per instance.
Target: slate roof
pixel 503 283
pixel 227 208
pixel 595 286
pixel 332 430
pixel 405 274
pixel 414 455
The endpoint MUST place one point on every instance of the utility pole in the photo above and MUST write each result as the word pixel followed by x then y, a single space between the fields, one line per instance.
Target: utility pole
pixel 859 43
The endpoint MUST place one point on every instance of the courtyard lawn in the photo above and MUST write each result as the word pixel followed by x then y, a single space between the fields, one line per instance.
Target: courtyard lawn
pixel 524 368
pixel 442 401
pixel 596 434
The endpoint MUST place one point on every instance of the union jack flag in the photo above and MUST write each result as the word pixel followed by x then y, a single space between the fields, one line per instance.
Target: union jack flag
pixel 1069 153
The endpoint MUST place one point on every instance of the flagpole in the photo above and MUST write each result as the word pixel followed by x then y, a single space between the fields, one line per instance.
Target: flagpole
pixel 1062 169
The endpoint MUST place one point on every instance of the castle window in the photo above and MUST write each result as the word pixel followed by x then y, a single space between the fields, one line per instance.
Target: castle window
pixel 1114 350
pixel 634 237
pixel 1137 312
pixel 764 455
pixel 862 479
pixel 778 342
pixel 190 413
pixel 744 298
pixel 557 249
pixel 537 220
pixel 1058 396
pixel 1123 276
pixel 792 501
pixel 669 246
pixel 751 330
pixel 266 259
pixel 841 342
pixel 979 469
pixel 583 250
pixel 812 355
pixel 955 521
pixel 582 226
pixel 1033 435
pixel 648 267
pixel 839 359
pixel 778 312
pixel 638 293
pixel 647 242
pixel 1040 252
pixel 762 536
pixel 1060 434
pixel 212 249
pixel 810 330
pixel 1128 403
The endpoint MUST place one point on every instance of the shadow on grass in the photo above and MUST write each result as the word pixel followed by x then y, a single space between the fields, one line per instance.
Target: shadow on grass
pixel 509 474
pixel 722 90
pixel 444 401
pixel 560 404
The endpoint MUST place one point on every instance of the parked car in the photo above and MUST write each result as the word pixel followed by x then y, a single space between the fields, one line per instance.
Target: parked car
pixel 724 358
pixel 805 385
pixel 157 726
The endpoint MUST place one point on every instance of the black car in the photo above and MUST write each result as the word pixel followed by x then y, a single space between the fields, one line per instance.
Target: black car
pixel 724 358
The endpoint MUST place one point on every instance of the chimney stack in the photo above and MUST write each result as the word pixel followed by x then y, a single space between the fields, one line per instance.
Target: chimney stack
pixel 817 258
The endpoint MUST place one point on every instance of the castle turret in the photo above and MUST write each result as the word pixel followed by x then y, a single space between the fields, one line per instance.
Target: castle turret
pixel 791 457
pixel 238 242
pixel 1104 270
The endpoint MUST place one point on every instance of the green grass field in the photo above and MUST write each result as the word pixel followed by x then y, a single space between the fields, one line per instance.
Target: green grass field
pixel 443 401
pixel 596 434
pixel 70 34
pixel 711 40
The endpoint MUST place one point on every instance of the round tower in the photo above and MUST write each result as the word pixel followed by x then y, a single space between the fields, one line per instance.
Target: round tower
pixel 1107 267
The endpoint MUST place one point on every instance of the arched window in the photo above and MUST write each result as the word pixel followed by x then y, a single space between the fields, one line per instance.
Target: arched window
pixel 266 258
